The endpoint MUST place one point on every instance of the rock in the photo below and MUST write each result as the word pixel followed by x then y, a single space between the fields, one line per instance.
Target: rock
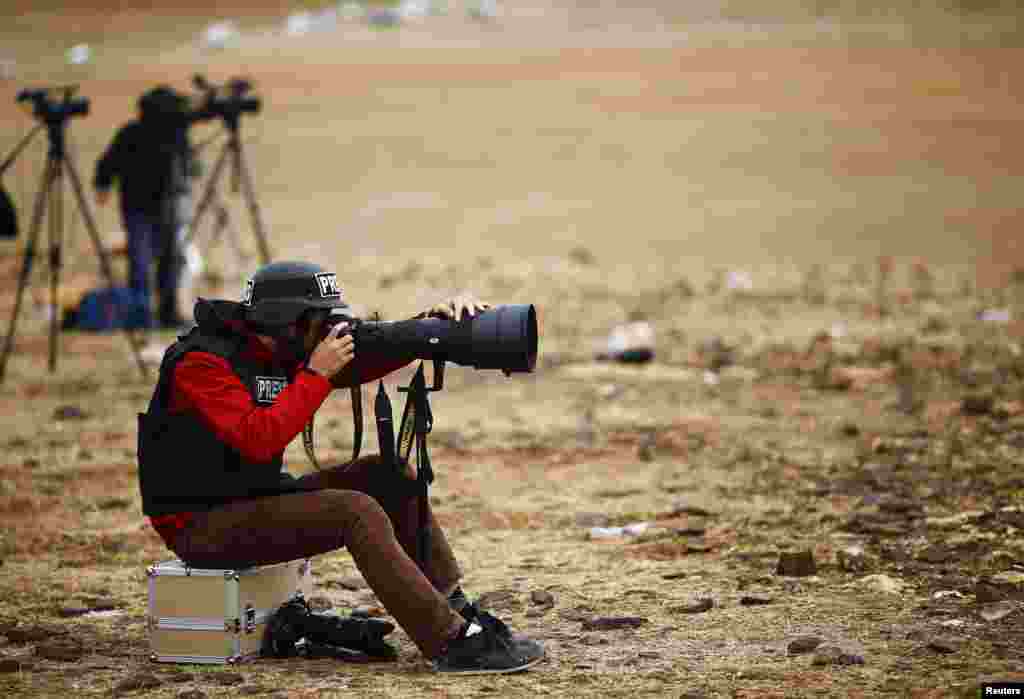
pixel 9 665
pixel 977 404
pixel 944 645
pixel 852 559
pixel 645 450
pixel 542 597
pixel 881 583
pixel 754 600
pixel 998 610
pixel 141 681
pixel 834 655
pixel 611 623
pixel 61 651
pixel 803 644
pixel 192 694
pixel 498 599
pixel 796 564
pixel 697 607
pixel 582 256
pixel 849 429
pixel 69 412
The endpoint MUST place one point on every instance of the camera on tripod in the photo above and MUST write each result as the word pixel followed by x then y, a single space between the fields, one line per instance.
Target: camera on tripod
pixel 230 100
pixel 47 109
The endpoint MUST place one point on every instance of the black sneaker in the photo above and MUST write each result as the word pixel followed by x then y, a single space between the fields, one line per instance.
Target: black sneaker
pixel 486 647
pixel 471 612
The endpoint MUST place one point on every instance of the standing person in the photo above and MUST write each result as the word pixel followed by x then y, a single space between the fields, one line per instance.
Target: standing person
pixel 151 161
pixel 232 394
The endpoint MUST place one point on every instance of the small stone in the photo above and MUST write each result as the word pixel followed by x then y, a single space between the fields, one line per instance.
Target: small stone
pixel 542 597
pixel 944 645
pixel 998 610
pixel 977 404
pixel 612 623
pixel 697 607
pixel 69 412
pixel 803 644
pixel 796 564
pixel 849 429
pixel 143 681
pixel 754 600
pixel 834 655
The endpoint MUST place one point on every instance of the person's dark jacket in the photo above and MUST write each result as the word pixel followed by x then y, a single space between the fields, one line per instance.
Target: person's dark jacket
pixel 151 161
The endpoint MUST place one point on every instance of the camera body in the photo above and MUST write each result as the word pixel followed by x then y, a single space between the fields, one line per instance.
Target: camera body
pixel 50 110
pixel 228 101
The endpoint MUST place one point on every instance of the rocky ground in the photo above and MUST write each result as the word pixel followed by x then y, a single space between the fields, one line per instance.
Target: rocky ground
pixel 814 489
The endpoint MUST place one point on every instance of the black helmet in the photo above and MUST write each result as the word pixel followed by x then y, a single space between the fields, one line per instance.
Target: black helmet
pixel 280 292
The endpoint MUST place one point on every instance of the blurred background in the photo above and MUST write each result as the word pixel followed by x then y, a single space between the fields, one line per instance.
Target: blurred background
pixel 579 153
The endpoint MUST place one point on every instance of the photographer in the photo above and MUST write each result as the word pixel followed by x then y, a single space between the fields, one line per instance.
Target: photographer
pixel 151 160
pixel 232 395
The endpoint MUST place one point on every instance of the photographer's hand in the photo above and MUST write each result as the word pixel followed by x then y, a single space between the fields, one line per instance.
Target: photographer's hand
pixel 453 308
pixel 334 352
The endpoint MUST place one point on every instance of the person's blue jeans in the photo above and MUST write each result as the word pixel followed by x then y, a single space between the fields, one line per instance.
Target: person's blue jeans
pixel 153 238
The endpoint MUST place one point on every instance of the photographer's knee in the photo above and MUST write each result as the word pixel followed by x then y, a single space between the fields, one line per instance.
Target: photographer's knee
pixel 361 515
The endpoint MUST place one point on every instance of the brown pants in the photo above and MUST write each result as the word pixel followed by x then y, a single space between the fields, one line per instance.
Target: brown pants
pixel 361 506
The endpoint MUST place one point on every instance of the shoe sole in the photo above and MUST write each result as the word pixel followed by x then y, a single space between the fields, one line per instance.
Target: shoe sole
pixel 509 671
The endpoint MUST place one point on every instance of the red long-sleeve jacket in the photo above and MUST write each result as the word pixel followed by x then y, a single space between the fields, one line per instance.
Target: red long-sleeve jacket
pixel 205 385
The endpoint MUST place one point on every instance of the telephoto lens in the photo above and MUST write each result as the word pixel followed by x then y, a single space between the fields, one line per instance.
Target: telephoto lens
pixel 503 338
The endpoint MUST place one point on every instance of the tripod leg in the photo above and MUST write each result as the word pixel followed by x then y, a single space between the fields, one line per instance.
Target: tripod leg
pixel 27 261
pixel 208 194
pixel 108 273
pixel 250 197
pixel 56 226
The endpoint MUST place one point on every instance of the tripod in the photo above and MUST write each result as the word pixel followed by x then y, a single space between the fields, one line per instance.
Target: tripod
pixel 240 180
pixel 49 204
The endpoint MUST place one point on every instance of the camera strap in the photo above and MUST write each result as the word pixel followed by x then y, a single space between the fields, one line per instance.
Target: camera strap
pixel 357 427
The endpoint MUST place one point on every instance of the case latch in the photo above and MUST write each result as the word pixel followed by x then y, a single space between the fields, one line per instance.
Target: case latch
pixel 250 618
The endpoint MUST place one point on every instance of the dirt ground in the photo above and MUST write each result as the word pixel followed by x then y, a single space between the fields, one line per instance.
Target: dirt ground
pixel 819 219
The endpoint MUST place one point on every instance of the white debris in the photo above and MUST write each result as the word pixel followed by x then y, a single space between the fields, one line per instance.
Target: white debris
pixel 219 35
pixel 630 342
pixel 711 378
pixel 998 610
pixel 738 280
pixel 943 594
pixel 635 529
pixel 414 9
pixel 299 23
pixel 79 54
pixel 838 331
pixel 995 315
pixel 605 532
pixel 954 623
